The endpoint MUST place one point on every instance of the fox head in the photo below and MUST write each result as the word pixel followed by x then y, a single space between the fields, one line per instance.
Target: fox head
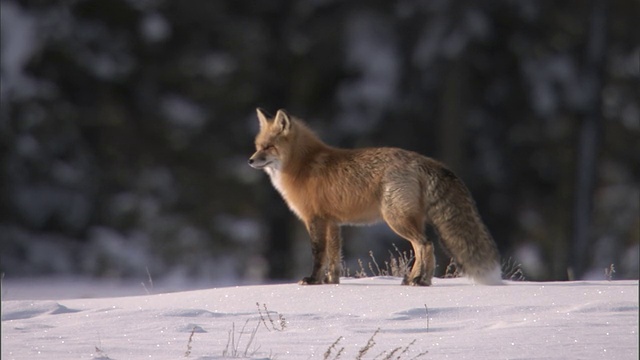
pixel 271 141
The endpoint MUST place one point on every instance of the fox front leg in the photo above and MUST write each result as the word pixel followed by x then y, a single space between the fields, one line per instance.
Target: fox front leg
pixel 318 232
pixel 334 254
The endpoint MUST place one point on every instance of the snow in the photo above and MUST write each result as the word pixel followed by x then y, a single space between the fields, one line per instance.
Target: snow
pixel 452 319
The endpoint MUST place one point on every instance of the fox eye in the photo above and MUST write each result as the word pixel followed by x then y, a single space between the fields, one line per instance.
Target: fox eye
pixel 267 147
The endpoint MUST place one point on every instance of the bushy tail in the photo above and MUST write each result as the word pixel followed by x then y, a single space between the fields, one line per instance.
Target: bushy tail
pixel 462 232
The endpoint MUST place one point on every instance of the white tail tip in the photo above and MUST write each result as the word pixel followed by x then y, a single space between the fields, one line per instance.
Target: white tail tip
pixel 493 277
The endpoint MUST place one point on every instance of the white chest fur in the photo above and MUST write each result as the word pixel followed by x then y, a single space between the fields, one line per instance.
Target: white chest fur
pixel 276 180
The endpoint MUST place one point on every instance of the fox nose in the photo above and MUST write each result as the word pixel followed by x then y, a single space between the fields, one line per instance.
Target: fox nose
pixel 250 161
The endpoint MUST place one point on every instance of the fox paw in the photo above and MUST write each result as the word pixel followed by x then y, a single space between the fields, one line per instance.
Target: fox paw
pixel 416 281
pixel 309 281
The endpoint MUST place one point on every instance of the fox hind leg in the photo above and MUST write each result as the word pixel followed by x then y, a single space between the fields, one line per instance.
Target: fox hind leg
pixel 412 229
pixel 424 266
pixel 428 266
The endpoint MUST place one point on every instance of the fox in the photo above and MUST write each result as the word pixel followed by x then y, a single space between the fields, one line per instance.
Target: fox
pixel 328 187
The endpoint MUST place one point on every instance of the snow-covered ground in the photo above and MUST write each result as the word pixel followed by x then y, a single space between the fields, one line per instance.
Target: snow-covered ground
pixel 375 316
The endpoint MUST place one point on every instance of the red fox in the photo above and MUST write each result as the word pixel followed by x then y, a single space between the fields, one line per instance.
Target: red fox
pixel 327 187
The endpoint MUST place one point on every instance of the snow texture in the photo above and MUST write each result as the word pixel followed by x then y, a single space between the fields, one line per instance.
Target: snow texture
pixel 452 319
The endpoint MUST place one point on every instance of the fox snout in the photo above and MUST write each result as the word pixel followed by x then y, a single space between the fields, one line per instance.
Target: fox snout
pixel 253 163
pixel 257 161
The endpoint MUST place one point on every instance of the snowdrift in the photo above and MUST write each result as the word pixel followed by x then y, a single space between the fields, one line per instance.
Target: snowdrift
pixel 370 318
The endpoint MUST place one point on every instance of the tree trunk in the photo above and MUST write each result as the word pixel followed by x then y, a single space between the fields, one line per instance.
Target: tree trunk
pixel 589 139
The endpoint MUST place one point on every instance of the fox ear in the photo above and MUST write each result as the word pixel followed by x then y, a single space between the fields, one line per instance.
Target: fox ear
pixel 263 117
pixel 282 121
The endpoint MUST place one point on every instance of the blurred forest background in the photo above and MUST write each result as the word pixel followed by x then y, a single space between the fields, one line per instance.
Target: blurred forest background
pixel 126 125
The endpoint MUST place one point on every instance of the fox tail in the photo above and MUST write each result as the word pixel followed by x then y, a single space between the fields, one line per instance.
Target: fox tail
pixel 462 232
